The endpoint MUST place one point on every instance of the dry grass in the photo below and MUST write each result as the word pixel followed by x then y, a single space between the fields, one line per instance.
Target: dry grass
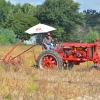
pixel 30 83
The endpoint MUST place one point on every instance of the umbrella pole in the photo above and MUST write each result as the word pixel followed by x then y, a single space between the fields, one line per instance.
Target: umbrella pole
pixel 41 38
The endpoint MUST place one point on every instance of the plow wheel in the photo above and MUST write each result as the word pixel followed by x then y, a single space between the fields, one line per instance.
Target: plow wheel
pixel 95 68
pixel 49 59
pixel 68 65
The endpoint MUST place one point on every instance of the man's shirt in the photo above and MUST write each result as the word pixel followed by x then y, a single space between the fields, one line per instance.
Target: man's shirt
pixel 48 41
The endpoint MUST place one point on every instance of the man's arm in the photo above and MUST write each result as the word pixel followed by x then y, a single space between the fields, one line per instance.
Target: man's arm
pixel 44 42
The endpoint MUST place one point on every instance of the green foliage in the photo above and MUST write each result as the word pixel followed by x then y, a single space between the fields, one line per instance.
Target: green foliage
pixel 92 20
pixel 28 9
pixel 17 18
pixel 19 23
pixel 91 36
pixel 62 13
pixel 97 28
pixel 5 8
pixel 2 8
pixel 1 39
pixel 92 17
pixel 7 36
pixel 25 8
pixel 58 33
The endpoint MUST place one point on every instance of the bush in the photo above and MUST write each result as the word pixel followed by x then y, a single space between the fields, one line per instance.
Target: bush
pixel 91 36
pixel 7 37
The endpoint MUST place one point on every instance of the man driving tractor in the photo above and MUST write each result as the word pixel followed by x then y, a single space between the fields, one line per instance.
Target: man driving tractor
pixel 47 42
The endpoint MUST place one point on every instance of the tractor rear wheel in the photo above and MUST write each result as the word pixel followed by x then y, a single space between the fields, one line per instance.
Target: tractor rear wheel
pixel 49 59
pixel 95 67
pixel 68 65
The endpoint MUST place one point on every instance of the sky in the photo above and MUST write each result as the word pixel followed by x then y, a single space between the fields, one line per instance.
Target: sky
pixel 85 4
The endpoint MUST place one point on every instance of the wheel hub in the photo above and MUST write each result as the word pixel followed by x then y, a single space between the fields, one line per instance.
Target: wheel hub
pixel 49 61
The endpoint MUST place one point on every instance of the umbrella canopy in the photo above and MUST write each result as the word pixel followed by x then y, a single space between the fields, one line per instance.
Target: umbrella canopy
pixel 40 28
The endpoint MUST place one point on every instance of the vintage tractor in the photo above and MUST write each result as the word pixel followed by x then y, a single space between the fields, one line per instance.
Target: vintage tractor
pixel 65 55
pixel 70 54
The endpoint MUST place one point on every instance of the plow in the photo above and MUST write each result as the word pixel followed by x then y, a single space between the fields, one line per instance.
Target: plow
pixel 15 60
pixel 65 55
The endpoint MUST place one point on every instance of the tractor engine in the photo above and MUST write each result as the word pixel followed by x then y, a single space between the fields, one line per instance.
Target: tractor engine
pixel 75 52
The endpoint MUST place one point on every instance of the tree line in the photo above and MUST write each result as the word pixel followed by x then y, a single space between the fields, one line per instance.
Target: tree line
pixel 72 25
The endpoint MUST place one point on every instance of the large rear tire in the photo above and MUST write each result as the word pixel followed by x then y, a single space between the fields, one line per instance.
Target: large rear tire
pixel 49 59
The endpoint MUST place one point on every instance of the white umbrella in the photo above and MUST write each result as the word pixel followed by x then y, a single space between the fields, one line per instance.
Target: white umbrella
pixel 40 28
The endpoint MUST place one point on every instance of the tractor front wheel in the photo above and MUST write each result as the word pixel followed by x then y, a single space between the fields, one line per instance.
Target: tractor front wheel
pixel 95 67
pixel 49 59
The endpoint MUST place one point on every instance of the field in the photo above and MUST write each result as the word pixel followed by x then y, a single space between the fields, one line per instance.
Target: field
pixel 30 83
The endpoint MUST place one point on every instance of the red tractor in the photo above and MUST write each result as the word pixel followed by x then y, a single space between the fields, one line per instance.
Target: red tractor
pixel 70 54
pixel 65 55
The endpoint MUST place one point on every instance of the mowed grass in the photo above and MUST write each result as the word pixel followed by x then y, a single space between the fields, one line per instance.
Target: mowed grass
pixel 30 83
